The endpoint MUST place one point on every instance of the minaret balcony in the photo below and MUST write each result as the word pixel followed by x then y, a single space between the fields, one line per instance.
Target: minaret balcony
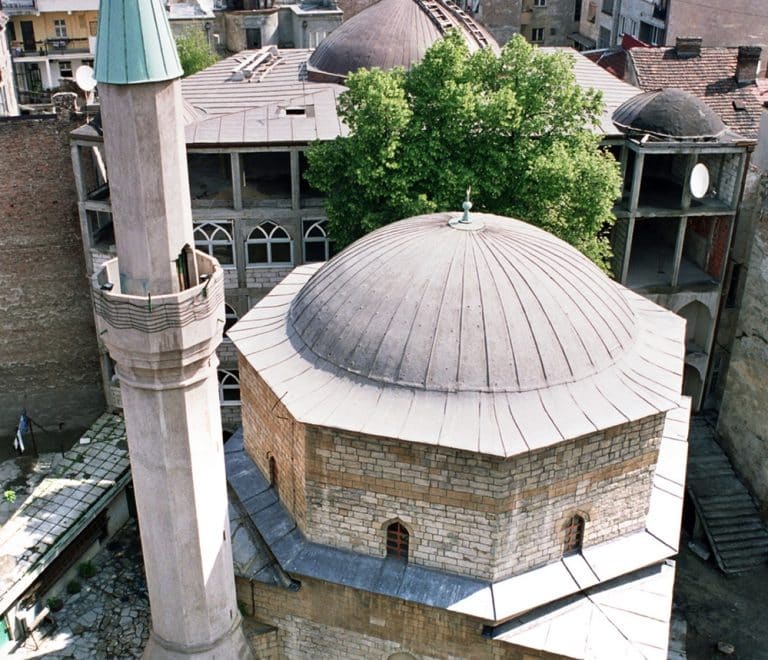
pixel 173 332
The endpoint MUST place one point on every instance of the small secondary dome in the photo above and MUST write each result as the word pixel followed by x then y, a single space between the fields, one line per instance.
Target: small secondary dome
pixel 669 113
pixel 506 308
pixel 391 33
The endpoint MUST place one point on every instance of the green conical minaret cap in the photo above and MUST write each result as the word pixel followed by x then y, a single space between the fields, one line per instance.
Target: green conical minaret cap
pixel 134 43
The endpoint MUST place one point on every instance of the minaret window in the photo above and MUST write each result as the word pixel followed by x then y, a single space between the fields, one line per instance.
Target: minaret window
pixel 397 541
pixel 215 239
pixel 229 388
pixel 574 534
pixel 316 246
pixel 269 244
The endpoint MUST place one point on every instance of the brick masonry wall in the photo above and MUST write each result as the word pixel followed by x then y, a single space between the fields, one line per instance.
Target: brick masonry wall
pixel 270 431
pixel 466 513
pixel 48 351
pixel 323 620
pixel 473 514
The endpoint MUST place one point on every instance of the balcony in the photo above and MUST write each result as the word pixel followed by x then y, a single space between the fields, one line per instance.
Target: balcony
pixel 17 7
pixel 54 46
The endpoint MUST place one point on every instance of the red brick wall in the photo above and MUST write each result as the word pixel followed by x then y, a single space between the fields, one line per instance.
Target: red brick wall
pixel 48 350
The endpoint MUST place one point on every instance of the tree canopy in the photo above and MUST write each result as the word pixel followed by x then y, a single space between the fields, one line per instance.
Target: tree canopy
pixel 195 53
pixel 517 128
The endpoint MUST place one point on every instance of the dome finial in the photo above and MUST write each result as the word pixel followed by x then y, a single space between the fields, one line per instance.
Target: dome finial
pixel 464 221
pixel 467 205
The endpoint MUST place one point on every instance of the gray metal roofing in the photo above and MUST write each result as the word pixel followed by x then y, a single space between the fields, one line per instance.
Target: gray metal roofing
pixel 615 91
pixel 392 33
pixel 233 109
pixel 492 602
pixel 510 373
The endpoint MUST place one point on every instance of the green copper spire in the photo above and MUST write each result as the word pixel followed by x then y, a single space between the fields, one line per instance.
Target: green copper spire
pixel 135 44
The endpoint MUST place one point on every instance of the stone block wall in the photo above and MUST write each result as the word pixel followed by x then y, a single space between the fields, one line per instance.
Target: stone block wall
pixel 324 620
pixel 266 278
pixel 472 514
pixel 271 432
pixel 742 420
pixel 466 513
pixel 49 360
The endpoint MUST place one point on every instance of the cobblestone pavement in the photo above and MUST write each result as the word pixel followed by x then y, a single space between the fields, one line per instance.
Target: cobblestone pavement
pixel 109 618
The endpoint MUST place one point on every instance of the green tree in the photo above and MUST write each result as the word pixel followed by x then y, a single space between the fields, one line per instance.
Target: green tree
pixel 517 128
pixel 195 53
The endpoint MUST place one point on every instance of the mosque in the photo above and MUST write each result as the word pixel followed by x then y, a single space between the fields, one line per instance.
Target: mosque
pixel 459 437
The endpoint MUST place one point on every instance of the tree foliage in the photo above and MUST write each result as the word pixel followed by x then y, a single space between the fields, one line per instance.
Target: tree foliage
pixel 517 128
pixel 195 53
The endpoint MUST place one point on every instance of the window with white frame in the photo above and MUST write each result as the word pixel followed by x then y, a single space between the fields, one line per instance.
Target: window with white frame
pixel 60 28
pixel 537 35
pixel 628 26
pixel 269 244
pixel 215 238
pixel 230 317
pixel 229 388
pixel 316 246
pixel 65 69
pixel 539 3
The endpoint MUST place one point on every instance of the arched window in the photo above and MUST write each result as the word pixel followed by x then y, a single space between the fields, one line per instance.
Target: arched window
pixel 273 472
pixel 574 534
pixel 316 246
pixel 397 541
pixel 229 388
pixel 269 244
pixel 215 238
pixel 230 317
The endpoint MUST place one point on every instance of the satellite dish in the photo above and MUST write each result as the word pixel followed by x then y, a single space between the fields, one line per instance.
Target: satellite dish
pixel 699 181
pixel 84 78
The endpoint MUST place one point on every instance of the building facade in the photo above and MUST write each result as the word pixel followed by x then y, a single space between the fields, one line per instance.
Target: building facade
pixel 410 463
pixel 49 40
pixel 48 350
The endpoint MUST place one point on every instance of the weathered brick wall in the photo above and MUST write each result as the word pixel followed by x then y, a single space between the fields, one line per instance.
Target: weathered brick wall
pixel 270 431
pixel 48 353
pixel 474 514
pixel 467 513
pixel 323 620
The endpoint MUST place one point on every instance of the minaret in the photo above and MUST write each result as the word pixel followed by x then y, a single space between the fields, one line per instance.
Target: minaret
pixel 160 312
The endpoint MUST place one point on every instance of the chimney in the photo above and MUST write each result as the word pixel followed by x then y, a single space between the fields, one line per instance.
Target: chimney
pixel 687 47
pixel 746 64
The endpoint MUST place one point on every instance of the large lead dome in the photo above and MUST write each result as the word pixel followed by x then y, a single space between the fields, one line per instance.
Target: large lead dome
pixel 392 33
pixel 504 308
pixel 499 339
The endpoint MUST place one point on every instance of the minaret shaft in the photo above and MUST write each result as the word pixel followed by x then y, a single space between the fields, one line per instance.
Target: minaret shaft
pixel 149 188
pixel 162 324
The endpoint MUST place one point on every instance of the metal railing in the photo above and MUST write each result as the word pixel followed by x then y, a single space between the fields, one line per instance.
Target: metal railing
pixel 52 46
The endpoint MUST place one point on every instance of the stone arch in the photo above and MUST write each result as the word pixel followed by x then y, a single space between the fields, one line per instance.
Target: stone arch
pixel 698 325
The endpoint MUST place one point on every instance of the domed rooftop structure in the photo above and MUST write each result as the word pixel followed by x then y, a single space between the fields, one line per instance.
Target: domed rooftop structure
pixel 506 308
pixel 669 114
pixel 493 336
pixel 391 33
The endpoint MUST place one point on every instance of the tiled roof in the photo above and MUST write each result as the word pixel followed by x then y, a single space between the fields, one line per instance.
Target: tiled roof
pixel 710 76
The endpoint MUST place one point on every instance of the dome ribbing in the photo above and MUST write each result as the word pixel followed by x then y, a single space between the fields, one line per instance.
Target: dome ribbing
pixel 507 308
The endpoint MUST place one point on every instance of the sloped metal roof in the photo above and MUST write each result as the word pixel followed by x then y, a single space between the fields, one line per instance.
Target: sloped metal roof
pixel 135 43
pixel 480 359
